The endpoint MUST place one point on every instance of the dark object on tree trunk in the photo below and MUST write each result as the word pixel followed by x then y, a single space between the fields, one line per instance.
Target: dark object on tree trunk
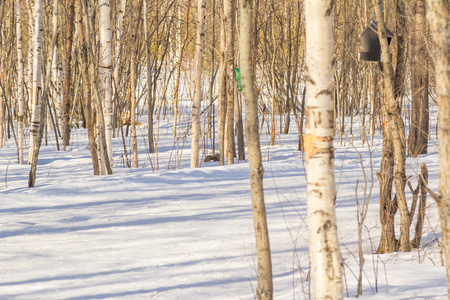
pixel 371 43
pixel 237 74
pixel 212 157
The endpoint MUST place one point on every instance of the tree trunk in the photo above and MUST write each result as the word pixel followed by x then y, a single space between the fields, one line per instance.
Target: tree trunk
pixel 20 75
pixel 87 90
pixel 195 147
pixel 289 77
pixel 117 61
pixel 388 206
pixel 229 69
pixel 418 135
pixel 45 91
pixel 50 70
pixel 180 62
pixel 264 289
pixel 422 194
pixel 59 107
pixel 54 90
pixel 222 91
pixel 396 129
pixel 437 15
pixel 150 101
pixel 211 113
pixel 93 72
pixel 105 67
pixel 326 260
pixel 133 84
pixel 274 102
pixel 37 79
pixel 2 75
pixel 373 104
pixel 239 125
pixel 29 75
pixel 68 75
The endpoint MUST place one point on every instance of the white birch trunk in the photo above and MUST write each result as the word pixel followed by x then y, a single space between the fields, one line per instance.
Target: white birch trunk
pixel 229 70
pixel 118 47
pixel 326 260
pixel 195 146
pixel 150 101
pixel 20 75
pixel 54 85
pixel 37 78
pixel 176 83
pixel 59 96
pixel 175 46
pixel 57 86
pixel 68 80
pixel 133 84
pixel 52 61
pixel 105 66
pixel 222 92
pixel 29 76
pixel 438 20
pixel 54 76
pixel 45 95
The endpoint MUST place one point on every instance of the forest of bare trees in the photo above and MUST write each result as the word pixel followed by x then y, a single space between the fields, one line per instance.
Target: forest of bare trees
pixel 108 65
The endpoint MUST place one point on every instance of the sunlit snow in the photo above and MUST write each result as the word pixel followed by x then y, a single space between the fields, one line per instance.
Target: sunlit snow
pixel 188 233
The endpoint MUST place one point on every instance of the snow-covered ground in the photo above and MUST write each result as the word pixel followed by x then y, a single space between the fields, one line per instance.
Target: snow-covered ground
pixel 187 233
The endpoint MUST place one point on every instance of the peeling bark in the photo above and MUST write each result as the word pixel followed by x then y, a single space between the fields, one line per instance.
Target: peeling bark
pixel 326 260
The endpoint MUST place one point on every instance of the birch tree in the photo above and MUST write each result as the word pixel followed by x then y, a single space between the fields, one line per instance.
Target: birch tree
pixel 29 75
pixel 105 66
pixel 326 260
pixel 195 147
pixel 438 20
pixel 45 91
pixel 57 70
pixel 182 47
pixel 68 74
pixel 87 88
pixel 133 84
pixel 20 77
pixel 54 90
pixel 229 12
pixel 118 48
pixel 222 91
pixel 264 289
pixel 51 68
pixel 150 102
pixel 37 78
pixel 93 78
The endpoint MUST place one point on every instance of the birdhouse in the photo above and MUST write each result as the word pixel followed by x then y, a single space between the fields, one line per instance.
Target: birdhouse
pixel 371 43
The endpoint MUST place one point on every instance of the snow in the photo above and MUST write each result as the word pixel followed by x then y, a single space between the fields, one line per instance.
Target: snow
pixel 188 233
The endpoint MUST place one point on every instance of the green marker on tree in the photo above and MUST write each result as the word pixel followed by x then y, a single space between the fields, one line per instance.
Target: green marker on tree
pixel 237 74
